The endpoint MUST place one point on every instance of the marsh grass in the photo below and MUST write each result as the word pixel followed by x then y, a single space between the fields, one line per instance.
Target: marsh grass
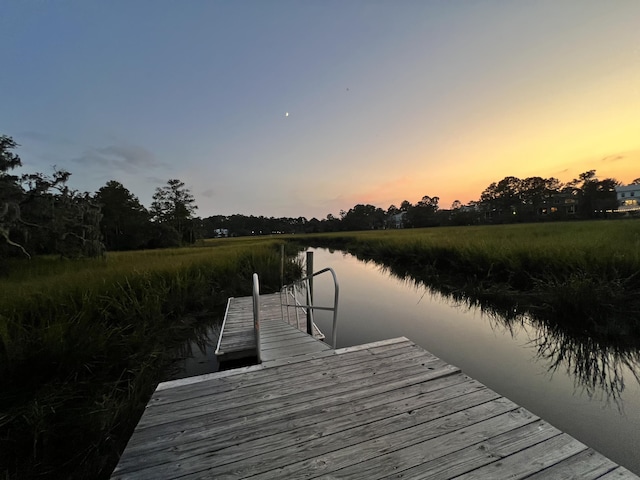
pixel 584 275
pixel 577 283
pixel 83 344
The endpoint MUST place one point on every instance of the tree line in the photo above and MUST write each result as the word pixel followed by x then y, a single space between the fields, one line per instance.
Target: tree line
pixel 508 201
pixel 40 214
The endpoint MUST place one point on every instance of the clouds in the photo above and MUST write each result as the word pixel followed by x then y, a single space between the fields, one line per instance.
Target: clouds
pixel 34 136
pixel 130 159
pixel 612 158
pixel 437 104
pixel 134 166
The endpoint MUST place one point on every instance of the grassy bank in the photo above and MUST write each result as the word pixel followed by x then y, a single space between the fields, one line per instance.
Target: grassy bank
pixel 582 274
pixel 83 344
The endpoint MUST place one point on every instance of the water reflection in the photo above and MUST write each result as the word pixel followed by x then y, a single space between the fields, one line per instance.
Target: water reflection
pixel 595 359
pixel 595 367
pixel 197 356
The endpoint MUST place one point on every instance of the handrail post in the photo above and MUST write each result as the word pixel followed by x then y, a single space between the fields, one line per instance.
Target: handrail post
pixel 309 307
pixel 256 314
pixel 282 264
pixel 334 329
pixel 309 292
pixel 295 302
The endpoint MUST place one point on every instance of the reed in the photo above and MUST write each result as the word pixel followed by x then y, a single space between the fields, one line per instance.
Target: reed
pixel 584 274
pixel 84 343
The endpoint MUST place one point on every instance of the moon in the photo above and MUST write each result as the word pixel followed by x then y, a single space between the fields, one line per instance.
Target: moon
pixel 286 114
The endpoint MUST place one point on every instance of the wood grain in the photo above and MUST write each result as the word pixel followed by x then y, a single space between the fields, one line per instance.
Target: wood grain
pixel 382 410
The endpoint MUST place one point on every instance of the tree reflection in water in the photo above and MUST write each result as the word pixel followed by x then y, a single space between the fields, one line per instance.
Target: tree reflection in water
pixel 596 355
pixel 595 366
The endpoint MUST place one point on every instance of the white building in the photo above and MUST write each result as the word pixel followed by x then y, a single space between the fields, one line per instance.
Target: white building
pixel 628 198
pixel 396 221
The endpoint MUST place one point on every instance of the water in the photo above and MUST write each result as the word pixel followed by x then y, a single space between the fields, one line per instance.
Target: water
pixel 197 357
pixel 593 395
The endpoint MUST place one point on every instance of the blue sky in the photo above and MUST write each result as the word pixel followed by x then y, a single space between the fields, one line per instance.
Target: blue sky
pixel 387 100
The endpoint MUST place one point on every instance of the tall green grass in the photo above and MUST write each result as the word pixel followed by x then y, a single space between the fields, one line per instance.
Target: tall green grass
pixel 83 344
pixel 578 283
pixel 585 274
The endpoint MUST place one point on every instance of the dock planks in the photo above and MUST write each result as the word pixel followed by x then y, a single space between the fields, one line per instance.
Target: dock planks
pixel 383 410
pixel 278 339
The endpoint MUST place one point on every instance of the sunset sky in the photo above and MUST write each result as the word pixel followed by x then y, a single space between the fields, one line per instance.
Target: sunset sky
pixel 386 100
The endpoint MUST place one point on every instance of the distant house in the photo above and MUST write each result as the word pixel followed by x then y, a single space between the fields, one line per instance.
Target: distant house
pixel 628 198
pixel 396 221
pixel 559 204
pixel 221 232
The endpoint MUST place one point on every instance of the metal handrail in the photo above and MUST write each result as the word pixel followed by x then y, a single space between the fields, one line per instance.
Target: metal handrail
pixel 256 313
pixel 291 289
pixel 295 299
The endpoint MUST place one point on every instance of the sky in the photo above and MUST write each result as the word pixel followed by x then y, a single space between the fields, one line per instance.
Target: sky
pixel 309 107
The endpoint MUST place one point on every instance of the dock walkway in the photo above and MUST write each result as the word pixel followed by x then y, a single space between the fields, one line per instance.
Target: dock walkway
pixel 388 409
pixel 278 338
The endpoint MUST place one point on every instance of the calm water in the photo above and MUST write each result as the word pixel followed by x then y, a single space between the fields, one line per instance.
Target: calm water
pixel 198 356
pixel 599 405
pixel 592 395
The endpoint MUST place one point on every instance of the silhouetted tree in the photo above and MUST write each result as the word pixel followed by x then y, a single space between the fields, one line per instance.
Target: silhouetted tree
pixel 534 193
pixel 594 196
pixel 363 217
pixel 174 205
pixel 125 222
pixel 463 214
pixel 393 210
pixel 313 226
pixel 422 214
pixel 11 195
pixel 41 214
pixel 405 206
pixel 59 219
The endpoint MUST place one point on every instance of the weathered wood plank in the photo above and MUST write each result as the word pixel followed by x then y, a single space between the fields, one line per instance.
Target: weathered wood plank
pixel 291 332
pixel 529 461
pixel 327 455
pixel 285 434
pixel 458 462
pixel 233 419
pixel 298 358
pixel 237 337
pixel 586 465
pixel 280 393
pixel 235 387
pixel 337 365
pixel 297 337
pixel 619 473
pixel 207 377
pixel 376 401
pixel 291 350
pixel 287 330
pixel 369 346
pixel 255 376
pixel 278 325
pixel 432 421
pixel 383 410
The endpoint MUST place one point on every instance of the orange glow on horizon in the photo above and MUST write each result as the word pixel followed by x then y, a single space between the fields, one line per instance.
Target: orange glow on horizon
pixel 623 166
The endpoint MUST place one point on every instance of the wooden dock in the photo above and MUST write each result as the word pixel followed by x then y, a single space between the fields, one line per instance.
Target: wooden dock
pixel 383 410
pixel 278 338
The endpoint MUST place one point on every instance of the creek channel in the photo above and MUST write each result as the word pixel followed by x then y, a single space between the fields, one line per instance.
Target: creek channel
pixel 587 390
